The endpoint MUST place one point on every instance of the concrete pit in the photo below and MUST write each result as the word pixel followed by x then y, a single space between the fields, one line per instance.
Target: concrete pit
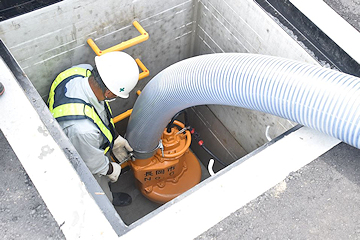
pixel 178 30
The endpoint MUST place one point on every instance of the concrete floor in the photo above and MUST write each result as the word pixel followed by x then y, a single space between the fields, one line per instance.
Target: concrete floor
pixel 140 205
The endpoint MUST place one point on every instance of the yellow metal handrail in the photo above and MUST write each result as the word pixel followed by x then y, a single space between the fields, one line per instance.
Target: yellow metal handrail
pixel 125 114
pixel 145 71
pixel 129 43
pixel 122 116
pixel 119 47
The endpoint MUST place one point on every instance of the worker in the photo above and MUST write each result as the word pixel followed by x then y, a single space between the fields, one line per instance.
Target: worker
pixel 79 100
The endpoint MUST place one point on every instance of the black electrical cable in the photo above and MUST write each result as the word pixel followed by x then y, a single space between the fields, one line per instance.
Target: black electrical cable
pixel 186 119
pixel 213 155
pixel 194 133
pixel 196 136
pixel 168 127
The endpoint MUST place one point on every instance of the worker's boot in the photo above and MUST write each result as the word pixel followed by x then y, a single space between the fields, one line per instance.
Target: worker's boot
pixel 121 199
pixel 2 89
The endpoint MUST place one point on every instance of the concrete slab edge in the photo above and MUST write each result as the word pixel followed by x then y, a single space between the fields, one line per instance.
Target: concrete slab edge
pixel 59 185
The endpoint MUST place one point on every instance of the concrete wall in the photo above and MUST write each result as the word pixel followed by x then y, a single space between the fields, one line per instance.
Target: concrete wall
pixel 241 26
pixel 51 39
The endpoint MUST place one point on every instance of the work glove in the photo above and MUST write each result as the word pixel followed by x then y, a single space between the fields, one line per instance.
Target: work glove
pixel 114 175
pixel 121 148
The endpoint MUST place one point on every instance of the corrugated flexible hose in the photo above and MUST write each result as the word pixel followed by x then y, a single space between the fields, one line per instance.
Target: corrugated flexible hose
pixel 320 98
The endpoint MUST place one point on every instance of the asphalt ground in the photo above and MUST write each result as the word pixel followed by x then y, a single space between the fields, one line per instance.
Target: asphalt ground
pixel 320 201
pixel 348 10
pixel 23 213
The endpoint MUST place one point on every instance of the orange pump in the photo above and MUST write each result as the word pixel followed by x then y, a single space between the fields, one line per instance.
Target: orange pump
pixel 171 171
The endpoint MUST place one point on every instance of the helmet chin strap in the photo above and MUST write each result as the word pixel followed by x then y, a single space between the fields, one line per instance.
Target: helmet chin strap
pixel 110 100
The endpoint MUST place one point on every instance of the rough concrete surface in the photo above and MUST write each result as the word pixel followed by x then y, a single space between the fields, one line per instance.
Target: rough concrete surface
pixel 23 214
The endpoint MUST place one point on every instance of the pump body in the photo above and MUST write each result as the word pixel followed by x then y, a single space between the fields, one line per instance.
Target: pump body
pixel 171 171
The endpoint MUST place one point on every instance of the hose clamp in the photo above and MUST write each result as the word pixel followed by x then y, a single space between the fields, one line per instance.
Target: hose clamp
pixel 145 155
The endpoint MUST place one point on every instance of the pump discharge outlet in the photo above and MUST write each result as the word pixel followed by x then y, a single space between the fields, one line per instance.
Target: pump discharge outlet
pixel 171 171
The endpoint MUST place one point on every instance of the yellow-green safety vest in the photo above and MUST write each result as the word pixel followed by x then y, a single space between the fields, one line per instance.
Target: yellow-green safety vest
pixel 65 108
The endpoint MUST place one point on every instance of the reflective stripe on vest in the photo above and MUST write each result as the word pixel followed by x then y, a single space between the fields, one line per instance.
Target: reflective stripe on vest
pixel 82 72
pixel 78 110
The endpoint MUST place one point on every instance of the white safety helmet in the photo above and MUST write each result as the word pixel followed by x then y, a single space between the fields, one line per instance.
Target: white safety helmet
pixel 118 71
